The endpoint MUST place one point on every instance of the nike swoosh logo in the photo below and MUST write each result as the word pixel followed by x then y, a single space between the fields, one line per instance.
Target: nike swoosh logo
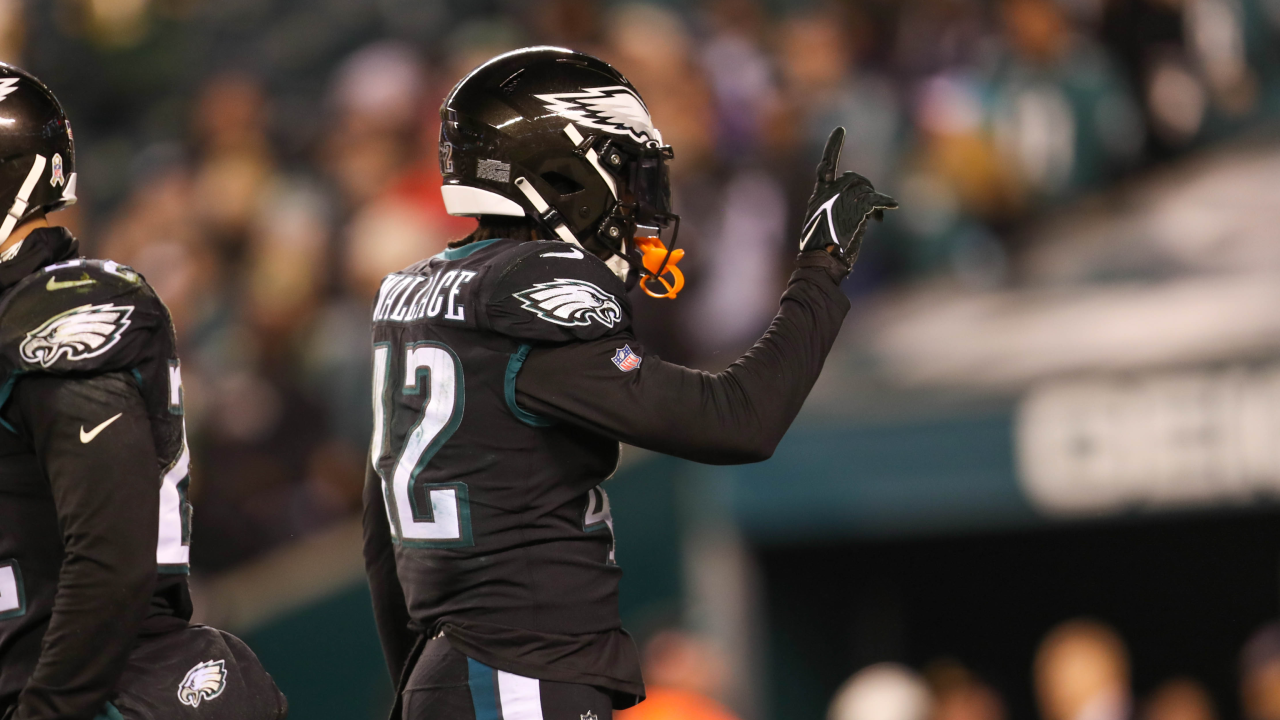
pixel 87 437
pixel 817 217
pixel 573 254
pixel 55 284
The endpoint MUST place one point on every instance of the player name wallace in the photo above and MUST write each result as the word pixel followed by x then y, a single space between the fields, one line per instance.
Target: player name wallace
pixel 407 298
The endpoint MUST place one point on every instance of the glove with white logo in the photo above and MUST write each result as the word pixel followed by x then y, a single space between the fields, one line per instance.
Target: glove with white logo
pixel 838 210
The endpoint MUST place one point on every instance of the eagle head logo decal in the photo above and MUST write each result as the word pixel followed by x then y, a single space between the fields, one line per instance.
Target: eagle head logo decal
pixel 83 332
pixel 571 302
pixel 205 681
pixel 614 109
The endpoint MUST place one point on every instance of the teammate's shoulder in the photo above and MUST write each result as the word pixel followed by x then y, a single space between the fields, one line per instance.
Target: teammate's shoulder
pixel 552 291
pixel 79 315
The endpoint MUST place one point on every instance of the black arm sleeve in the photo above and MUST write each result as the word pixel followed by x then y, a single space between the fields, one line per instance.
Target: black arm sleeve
pixel 105 488
pixel 735 416
pixel 390 611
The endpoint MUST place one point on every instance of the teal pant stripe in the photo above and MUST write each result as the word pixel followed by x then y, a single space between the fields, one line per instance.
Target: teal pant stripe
pixel 484 690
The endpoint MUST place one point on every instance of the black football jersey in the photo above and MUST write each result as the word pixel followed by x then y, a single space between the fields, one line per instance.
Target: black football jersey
pixel 496 514
pixel 85 320
pixel 505 373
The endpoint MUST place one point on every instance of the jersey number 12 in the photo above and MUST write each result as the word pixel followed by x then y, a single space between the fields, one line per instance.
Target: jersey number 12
pixel 420 514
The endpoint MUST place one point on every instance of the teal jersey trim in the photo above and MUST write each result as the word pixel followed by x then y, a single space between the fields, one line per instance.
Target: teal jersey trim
pixel 110 712
pixel 465 251
pixel 484 690
pixel 509 387
pixel 5 391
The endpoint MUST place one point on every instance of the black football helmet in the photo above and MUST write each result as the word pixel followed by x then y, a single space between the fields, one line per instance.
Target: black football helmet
pixel 563 137
pixel 37 152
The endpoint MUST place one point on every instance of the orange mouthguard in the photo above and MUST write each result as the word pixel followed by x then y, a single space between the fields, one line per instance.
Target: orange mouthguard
pixel 653 254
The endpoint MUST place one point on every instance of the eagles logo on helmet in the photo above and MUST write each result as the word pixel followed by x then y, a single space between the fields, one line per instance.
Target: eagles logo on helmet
pixel 616 110
pixel 585 161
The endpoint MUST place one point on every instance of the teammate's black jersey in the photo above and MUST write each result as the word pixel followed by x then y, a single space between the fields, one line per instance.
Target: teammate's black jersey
pixel 505 373
pixel 94 521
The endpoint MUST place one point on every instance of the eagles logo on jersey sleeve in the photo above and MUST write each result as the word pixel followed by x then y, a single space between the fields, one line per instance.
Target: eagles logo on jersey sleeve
pixel 77 334
pixel 80 316
pixel 555 292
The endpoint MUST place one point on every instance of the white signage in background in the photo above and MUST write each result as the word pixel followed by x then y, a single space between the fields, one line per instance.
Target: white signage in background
pixel 1103 445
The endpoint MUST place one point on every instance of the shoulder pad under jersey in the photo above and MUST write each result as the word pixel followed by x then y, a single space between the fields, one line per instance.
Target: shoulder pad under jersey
pixel 552 291
pixel 80 316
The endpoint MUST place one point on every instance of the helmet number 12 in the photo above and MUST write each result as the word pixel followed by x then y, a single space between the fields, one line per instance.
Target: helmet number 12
pixel 430 382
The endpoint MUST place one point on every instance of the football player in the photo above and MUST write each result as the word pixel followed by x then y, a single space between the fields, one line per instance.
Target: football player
pixel 94 521
pixel 506 374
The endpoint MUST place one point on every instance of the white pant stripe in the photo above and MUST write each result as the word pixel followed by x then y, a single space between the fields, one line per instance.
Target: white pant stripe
pixel 521 698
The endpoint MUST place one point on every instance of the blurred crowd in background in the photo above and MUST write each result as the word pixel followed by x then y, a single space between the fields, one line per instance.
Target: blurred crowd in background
pixel 265 163
pixel 1081 671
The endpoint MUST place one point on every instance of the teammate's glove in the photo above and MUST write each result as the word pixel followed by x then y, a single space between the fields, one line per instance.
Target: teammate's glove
pixel 837 212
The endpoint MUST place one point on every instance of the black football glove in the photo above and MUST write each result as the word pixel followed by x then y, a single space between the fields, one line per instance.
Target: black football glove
pixel 838 211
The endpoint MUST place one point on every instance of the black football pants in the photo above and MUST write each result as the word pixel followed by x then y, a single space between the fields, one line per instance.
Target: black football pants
pixel 447 685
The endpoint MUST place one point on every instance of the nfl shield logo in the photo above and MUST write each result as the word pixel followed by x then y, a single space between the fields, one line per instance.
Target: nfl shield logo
pixel 625 359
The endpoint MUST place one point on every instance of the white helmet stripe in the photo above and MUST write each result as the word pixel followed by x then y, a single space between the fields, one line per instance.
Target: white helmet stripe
pixel 19 207
pixel 468 201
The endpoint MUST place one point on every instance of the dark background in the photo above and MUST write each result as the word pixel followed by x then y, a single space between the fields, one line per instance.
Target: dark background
pixel 1185 592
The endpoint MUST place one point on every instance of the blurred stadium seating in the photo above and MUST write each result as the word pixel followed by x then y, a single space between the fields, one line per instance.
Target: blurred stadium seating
pixel 1057 395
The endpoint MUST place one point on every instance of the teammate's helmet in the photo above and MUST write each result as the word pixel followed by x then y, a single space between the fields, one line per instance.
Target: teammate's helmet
pixel 37 153
pixel 563 138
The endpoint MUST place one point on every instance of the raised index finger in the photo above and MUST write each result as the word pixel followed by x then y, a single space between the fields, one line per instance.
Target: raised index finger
pixel 831 156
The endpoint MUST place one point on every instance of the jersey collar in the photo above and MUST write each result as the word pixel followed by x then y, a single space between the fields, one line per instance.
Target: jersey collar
pixel 465 251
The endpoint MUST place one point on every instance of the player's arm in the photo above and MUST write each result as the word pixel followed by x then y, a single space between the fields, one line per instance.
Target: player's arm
pixel 93 440
pixel 735 416
pixel 738 415
pixel 390 611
